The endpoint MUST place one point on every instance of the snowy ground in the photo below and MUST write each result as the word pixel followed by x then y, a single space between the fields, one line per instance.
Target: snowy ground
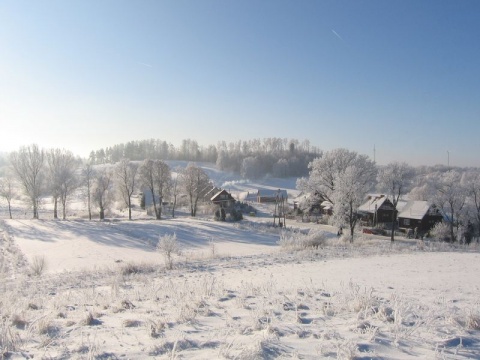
pixel 234 292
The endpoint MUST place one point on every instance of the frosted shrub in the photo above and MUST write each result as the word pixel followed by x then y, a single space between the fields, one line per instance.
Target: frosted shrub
pixel 441 232
pixel 288 239
pixel 315 238
pixel 168 245
pixel 38 265
pixel 472 320
pixel 294 240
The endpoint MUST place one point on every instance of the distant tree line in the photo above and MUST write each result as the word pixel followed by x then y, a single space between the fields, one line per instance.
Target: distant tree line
pixel 279 157
pixel 35 174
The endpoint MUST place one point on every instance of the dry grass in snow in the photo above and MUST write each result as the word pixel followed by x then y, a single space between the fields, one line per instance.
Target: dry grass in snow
pixel 368 300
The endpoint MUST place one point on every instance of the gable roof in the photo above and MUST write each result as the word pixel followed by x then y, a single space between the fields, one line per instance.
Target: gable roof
pixel 216 197
pixel 369 205
pixel 415 209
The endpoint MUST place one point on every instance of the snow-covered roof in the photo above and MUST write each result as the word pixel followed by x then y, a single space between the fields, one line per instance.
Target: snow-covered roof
pixel 414 209
pixel 247 196
pixel 369 205
pixel 272 193
pixel 326 204
pixel 214 197
pixel 401 205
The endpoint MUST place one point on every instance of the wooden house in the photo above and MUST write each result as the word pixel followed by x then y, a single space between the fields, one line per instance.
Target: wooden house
pixel 420 215
pixel 378 209
pixel 223 199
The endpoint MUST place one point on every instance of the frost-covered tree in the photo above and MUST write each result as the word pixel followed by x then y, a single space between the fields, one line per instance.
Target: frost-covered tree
pixel 102 191
pixel 327 169
pixel 126 176
pixel 168 245
pixel 351 186
pixel 62 177
pixel 395 180
pixel 174 190
pixel 194 182
pixel 7 191
pixel 156 176
pixel 28 166
pixel 250 168
pixel 88 176
pixel 281 168
pixel 472 185
pixel 450 196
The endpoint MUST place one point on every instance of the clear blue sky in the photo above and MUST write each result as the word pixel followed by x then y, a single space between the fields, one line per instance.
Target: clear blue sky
pixel 401 75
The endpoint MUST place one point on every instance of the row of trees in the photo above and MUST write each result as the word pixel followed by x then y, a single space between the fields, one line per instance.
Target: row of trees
pixel 58 173
pixel 189 150
pixel 279 157
pixel 344 177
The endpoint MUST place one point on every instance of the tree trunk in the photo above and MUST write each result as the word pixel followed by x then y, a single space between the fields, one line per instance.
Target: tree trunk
pixel 129 208
pixel 35 209
pixel 452 225
pixel 102 212
pixel 55 208
pixel 159 215
pixel 9 209
pixel 89 208
pixel 394 218
pixel 173 206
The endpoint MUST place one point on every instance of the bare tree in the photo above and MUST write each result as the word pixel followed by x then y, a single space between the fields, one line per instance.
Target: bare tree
pixel 157 177
pixel 7 191
pixel 88 175
pixel 194 181
pixel 396 179
pixel 53 177
pixel 62 175
pixel 27 164
pixel 102 191
pixel 126 173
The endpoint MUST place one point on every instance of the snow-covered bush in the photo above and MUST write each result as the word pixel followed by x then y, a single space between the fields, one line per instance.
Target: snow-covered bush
pixel 441 232
pixel 38 265
pixel 168 245
pixel 294 240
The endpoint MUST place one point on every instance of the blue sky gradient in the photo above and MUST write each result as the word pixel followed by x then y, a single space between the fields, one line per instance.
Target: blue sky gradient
pixel 401 75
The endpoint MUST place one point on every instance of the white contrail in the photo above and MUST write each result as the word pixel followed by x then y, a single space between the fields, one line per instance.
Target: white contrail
pixel 336 34
pixel 147 65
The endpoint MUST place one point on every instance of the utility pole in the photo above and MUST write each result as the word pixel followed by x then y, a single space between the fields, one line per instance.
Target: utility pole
pixel 374 153
pixel 448 158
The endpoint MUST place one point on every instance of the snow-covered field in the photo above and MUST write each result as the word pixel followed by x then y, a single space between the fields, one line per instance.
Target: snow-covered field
pixel 233 292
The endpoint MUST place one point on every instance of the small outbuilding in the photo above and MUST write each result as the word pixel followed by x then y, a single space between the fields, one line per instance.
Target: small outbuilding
pixel 271 196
